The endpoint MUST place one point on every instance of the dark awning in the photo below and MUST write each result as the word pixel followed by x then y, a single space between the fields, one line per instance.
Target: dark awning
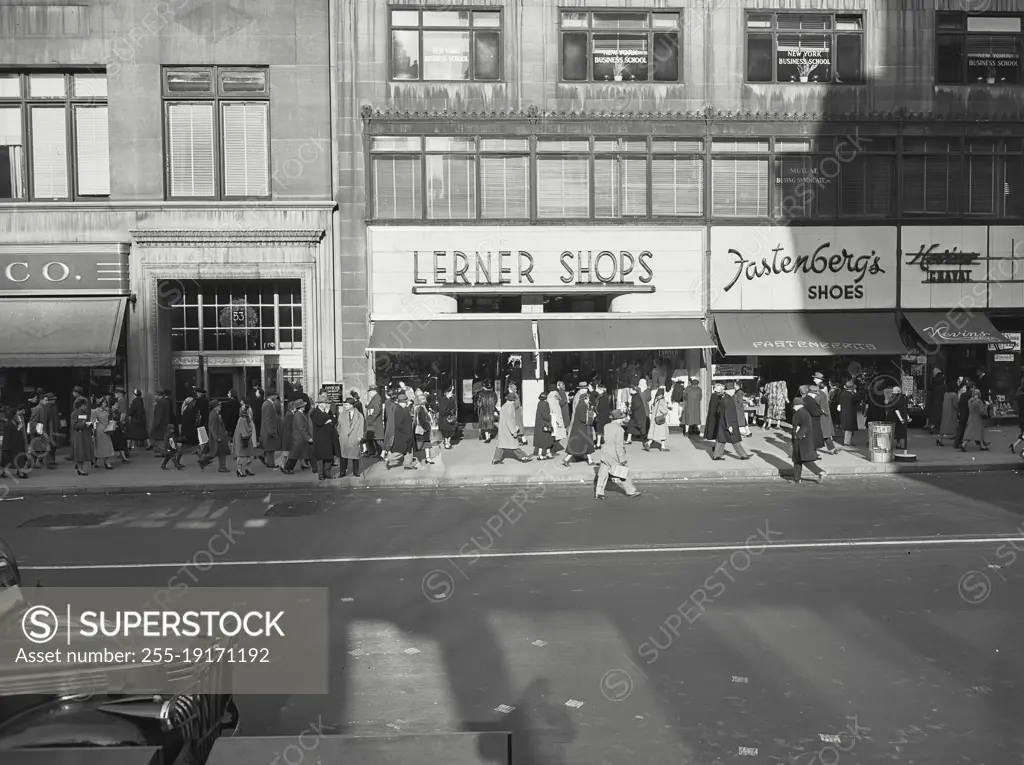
pixel 954 327
pixel 622 334
pixel 837 333
pixel 475 335
pixel 65 332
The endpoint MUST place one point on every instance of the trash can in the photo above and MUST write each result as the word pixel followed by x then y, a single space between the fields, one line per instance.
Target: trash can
pixel 880 441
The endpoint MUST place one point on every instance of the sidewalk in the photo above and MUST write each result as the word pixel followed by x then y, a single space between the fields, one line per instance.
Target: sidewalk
pixel 469 463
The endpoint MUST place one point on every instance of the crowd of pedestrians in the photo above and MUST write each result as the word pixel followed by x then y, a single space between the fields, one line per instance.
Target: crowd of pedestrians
pixel 405 427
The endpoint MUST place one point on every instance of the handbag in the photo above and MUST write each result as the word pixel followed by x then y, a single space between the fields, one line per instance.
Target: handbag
pixel 659 420
pixel 204 437
pixel 246 442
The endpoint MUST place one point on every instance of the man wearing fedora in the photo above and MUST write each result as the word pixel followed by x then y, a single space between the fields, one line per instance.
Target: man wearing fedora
pixel 403 447
pixel 374 416
pixel 804 451
pixel 611 458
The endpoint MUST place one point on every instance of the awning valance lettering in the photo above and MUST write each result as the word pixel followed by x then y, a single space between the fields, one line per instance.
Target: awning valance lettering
pixel 954 327
pixel 471 335
pixel 480 335
pixel 839 333
pixel 622 334
pixel 76 332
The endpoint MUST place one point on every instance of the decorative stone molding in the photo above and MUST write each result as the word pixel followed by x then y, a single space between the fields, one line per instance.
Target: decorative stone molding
pixel 533 114
pixel 153 274
pixel 228 237
pixel 185 361
pixel 233 361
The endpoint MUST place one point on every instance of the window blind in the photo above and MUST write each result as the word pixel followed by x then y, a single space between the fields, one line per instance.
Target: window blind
pixel 397 187
pixel 866 186
pixel 92 149
pixel 246 149
pixel 931 185
pixel 505 187
pixel 49 153
pixel 620 187
pixel 739 186
pixel 677 186
pixel 11 154
pixel 190 139
pixel 982 188
pixel 451 187
pixel 563 187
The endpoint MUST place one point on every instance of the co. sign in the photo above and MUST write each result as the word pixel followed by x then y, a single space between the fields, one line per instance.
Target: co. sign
pixel 53 272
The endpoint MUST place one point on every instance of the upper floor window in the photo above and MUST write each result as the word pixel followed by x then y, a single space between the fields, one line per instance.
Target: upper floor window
pixel 217 132
pixel 621 46
pixel 446 45
pixel 978 49
pixel 805 47
pixel 54 143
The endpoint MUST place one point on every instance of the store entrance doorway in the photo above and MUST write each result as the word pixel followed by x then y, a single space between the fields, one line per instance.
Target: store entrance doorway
pixel 240 379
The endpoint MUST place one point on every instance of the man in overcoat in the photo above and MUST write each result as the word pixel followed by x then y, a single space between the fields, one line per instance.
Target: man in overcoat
pixel 219 447
pixel 403 448
pixel 374 419
pixel 612 456
pixel 804 452
pixel 325 436
pixel 270 429
pixel 727 423
pixel 161 419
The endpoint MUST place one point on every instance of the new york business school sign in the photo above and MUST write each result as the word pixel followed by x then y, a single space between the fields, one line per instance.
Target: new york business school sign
pixel 63 269
pixel 796 268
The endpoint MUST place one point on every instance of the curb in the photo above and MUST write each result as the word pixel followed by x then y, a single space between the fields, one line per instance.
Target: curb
pixel 567 478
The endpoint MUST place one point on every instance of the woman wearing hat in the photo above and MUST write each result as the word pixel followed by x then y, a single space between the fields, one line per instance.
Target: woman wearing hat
pixel 137 429
pixel 302 437
pixel 190 423
pixel 245 437
pixel 581 431
pixel 657 431
pixel 448 416
pixel 611 458
pixel 422 428
pixel 543 432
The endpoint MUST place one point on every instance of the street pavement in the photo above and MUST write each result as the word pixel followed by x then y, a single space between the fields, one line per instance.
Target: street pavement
pixel 704 622
pixel 469 463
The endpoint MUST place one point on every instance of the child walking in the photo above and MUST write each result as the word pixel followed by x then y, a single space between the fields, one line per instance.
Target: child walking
pixel 172 449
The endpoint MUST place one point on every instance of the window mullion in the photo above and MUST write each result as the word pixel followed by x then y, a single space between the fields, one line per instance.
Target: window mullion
pixel 424 170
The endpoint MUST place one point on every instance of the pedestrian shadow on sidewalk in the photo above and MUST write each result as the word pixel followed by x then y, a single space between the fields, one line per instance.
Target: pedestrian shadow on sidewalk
pixel 785 469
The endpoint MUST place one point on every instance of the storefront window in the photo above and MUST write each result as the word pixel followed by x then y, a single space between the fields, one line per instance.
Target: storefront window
pixel 222 315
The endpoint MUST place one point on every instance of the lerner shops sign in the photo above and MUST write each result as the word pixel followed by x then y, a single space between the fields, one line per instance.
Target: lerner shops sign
pixel 646 269
pixel 796 268
pixel 455 267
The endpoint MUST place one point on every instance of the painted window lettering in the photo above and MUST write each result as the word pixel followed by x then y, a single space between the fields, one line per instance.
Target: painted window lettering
pixel 810 344
pixel 816 263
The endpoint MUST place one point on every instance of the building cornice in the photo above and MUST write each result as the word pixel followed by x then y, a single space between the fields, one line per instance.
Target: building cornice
pixel 148 237
pixel 535 115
